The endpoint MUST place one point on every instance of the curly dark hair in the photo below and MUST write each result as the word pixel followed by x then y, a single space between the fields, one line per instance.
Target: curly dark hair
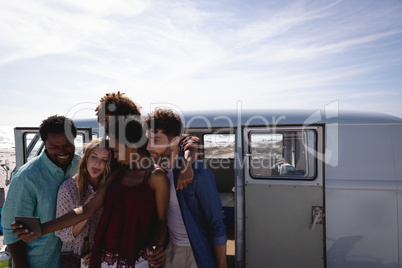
pixel 165 120
pixel 116 104
pixel 129 131
pixel 57 124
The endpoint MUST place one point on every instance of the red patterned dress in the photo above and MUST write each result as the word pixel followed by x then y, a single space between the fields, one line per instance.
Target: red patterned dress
pixel 126 225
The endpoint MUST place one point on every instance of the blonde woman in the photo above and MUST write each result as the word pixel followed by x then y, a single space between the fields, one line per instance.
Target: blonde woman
pixel 93 169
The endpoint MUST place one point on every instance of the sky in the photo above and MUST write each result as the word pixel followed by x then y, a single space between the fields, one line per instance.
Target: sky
pixel 61 57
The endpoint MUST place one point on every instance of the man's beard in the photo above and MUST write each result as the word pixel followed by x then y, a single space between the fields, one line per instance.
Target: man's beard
pixel 162 157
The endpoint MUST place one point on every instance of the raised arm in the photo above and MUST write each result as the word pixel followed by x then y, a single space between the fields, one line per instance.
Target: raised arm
pixel 78 214
pixel 67 201
pixel 69 219
pixel 192 151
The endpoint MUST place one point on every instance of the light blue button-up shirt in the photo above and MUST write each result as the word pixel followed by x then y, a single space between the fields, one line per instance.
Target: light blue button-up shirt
pixel 33 192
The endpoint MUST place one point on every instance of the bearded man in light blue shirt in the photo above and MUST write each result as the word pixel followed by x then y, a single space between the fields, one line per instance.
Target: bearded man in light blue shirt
pixel 33 193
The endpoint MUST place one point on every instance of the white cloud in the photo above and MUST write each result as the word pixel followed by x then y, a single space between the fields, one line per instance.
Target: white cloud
pixel 106 8
pixel 32 29
pixel 298 53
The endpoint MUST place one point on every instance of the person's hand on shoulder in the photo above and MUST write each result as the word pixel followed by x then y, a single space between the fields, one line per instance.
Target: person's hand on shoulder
pixel 186 176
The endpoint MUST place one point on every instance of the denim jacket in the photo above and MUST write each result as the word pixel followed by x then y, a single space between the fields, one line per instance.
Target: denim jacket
pixel 201 209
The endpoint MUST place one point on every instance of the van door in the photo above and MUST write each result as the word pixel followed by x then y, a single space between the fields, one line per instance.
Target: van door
pixel 28 143
pixel 283 197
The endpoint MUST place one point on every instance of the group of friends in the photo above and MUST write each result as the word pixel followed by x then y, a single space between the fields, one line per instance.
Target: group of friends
pixel 138 195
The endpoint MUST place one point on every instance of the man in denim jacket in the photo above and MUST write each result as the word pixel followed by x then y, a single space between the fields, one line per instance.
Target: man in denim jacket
pixel 197 233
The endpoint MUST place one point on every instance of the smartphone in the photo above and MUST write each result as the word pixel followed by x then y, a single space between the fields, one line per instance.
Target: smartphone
pixel 32 223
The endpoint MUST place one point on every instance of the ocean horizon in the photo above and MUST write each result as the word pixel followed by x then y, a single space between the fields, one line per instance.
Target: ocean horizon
pixel 7 137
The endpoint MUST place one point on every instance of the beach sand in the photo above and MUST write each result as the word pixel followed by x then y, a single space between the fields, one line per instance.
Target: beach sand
pixel 5 154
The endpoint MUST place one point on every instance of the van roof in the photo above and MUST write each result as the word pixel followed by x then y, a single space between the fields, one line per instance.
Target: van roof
pixel 253 117
pixel 226 118
pixel 285 117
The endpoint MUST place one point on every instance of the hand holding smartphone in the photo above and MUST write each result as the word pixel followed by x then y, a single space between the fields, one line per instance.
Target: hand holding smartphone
pixel 32 223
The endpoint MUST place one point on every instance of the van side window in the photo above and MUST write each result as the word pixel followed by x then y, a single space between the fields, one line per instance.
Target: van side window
pixel 33 145
pixel 219 146
pixel 286 154
pixel 79 144
pixel 219 158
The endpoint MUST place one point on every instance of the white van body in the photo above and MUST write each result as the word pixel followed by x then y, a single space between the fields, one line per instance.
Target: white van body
pixel 308 188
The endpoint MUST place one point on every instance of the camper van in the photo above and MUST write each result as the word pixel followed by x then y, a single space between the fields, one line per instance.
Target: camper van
pixel 299 188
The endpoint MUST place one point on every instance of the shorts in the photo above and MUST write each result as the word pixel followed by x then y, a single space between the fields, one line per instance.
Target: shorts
pixel 179 256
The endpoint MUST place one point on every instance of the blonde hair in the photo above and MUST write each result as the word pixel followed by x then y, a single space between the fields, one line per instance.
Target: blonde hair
pixel 83 177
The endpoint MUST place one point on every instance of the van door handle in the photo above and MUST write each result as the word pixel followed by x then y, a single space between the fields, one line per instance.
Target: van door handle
pixel 318 217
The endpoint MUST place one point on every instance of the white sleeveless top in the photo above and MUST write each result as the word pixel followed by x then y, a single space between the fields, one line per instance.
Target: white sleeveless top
pixel 177 229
